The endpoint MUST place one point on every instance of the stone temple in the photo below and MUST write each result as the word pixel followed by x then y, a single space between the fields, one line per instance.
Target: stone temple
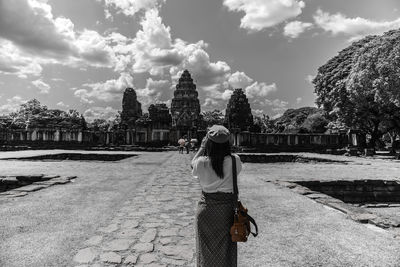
pixel 185 108
pixel 238 112
pixel 131 109
pixel 163 126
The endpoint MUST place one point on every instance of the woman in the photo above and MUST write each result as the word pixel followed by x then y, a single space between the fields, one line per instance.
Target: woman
pixel 212 164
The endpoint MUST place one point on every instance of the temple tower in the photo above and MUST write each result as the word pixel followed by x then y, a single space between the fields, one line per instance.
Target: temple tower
pixel 131 108
pixel 238 112
pixel 185 107
pixel 159 116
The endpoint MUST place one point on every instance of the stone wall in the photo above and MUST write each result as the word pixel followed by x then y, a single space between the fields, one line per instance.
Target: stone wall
pixel 358 191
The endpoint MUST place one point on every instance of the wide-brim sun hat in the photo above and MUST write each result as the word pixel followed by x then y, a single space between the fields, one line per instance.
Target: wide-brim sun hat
pixel 218 134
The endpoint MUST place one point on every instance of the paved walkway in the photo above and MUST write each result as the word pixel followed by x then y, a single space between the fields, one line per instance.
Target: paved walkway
pixel 154 227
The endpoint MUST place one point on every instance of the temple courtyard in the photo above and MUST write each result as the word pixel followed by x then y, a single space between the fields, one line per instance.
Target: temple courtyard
pixel 139 211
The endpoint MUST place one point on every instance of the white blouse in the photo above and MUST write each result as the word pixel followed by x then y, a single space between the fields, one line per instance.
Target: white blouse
pixel 209 180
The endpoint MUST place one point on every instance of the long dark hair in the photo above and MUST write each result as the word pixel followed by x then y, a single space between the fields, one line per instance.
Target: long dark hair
pixel 217 152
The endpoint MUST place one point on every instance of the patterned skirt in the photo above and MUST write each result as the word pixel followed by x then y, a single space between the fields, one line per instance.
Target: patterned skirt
pixel 214 219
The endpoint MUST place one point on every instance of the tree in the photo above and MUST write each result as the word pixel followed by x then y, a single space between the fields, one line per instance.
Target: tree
pixel 361 86
pixel 292 120
pixel 213 117
pixel 330 81
pixel 99 125
pixel 265 124
pixel 315 123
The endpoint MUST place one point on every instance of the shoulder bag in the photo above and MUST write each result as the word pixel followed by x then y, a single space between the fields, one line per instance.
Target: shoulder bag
pixel 240 229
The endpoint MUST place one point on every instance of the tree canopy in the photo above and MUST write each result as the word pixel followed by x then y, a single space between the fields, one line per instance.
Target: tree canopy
pixel 213 117
pixel 301 120
pixel 33 114
pixel 360 87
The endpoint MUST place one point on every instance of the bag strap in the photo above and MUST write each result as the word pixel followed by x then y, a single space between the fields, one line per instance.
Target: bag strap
pixel 255 225
pixel 234 175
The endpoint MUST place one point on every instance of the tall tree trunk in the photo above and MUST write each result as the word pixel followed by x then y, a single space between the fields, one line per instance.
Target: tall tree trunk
pixel 375 135
pixel 392 136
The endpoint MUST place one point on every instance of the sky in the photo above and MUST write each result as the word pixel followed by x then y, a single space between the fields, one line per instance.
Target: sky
pixel 83 54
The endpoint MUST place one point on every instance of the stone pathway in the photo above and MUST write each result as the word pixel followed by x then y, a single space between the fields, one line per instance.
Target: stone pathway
pixel 155 225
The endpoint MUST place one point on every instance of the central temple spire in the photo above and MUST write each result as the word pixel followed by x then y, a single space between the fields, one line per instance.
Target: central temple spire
pixel 185 106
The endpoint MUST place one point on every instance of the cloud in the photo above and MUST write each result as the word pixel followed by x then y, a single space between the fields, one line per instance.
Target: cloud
pixel 210 103
pixel 130 7
pixel 83 96
pixel 13 104
pixel 239 80
pixel 32 36
pixel 294 28
pixel 14 62
pixel 257 112
pixel 260 89
pixel 278 106
pixel 154 91
pixel 261 14
pixel 106 91
pixel 106 113
pixel 355 28
pixel 299 100
pixel 153 48
pixel 42 86
pixel 31 26
pixel 62 105
pixel 226 95
pixel 309 78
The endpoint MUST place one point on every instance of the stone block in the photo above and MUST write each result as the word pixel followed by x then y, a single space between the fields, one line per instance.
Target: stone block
pixel 10 181
pixel 178 252
pixel 60 181
pixel 118 244
pixel 85 255
pixel 28 179
pixel 148 258
pixel 48 177
pixel 363 217
pixel 130 260
pixel 148 236
pixel 111 257
pixel 143 247
pixel 339 206
pixel 30 188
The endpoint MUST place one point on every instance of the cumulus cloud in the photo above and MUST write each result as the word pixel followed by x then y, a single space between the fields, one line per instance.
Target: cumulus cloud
pixel 106 113
pixel 154 91
pixel 130 7
pixel 278 106
pixel 32 36
pixel 239 80
pixel 83 95
pixel 355 28
pixel 260 89
pixel 31 26
pixel 12 105
pixel 299 100
pixel 42 86
pixel 13 61
pixel 106 91
pixel 226 95
pixel 62 105
pixel 261 14
pixel 210 103
pixel 309 78
pixel 294 28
